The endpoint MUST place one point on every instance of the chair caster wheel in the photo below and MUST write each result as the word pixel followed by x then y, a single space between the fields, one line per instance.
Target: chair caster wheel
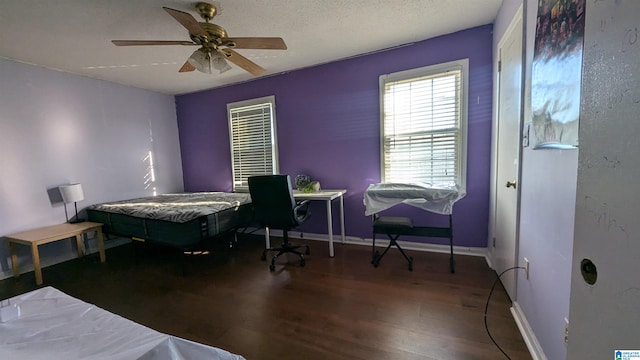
pixel 263 257
pixel 302 262
pixel 272 267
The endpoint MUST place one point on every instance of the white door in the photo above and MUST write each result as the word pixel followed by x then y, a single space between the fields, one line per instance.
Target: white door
pixel 507 152
pixel 604 313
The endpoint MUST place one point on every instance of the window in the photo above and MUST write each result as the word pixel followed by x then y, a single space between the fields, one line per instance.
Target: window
pixel 423 125
pixel 252 128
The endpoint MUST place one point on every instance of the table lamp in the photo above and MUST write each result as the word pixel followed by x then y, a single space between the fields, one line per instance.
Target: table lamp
pixel 72 193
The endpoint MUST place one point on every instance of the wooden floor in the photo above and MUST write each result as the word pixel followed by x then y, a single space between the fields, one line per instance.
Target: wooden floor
pixel 333 308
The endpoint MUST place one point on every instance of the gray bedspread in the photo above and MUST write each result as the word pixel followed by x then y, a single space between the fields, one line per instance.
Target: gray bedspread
pixel 178 208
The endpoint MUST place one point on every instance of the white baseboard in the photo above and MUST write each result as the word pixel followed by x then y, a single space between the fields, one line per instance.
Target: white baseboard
pixel 408 245
pixel 527 333
pixel 91 248
pixel 489 259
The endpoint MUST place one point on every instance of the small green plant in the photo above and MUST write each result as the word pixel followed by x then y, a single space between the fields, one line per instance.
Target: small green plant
pixel 311 187
pixel 304 184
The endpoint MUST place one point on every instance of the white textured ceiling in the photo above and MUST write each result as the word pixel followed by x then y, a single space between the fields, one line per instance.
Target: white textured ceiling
pixel 75 35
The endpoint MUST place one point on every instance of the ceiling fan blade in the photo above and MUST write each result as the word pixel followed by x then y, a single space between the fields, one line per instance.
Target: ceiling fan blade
pixel 150 42
pixel 187 67
pixel 187 21
pixel 274 43
pixel 244 63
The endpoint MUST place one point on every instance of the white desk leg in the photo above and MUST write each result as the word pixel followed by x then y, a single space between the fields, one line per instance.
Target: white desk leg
pixel 267 242
pixel 330 227
pixel 342 218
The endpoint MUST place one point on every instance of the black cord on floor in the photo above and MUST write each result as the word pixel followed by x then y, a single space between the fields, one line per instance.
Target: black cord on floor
pixel 486 308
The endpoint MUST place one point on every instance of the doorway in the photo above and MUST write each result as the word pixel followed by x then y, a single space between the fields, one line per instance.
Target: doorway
pixel 507 153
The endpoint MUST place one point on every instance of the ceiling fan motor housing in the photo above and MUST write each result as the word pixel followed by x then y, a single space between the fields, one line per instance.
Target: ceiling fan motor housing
pixel 207 11
pixel 214 34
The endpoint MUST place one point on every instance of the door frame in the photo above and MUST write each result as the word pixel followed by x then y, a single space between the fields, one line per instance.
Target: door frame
pixel 494 147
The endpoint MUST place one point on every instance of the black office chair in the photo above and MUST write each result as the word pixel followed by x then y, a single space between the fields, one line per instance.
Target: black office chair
pixel 275 207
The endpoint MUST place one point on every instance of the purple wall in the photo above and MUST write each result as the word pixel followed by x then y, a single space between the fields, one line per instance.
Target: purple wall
pixel 328 121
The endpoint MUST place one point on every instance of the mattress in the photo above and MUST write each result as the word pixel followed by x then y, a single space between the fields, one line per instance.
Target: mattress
pixel 54 325
pixel 180 220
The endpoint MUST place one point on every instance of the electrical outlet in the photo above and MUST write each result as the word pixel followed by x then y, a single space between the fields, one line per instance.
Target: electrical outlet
pixel 565 332
pixel 526 268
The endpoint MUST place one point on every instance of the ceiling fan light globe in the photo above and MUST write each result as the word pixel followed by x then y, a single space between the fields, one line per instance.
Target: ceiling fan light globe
pixel 201 61
pixel 225 69
pixel 220 64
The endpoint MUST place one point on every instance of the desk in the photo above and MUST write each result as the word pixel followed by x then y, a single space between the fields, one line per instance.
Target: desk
pixel 48 234
pixel 323 195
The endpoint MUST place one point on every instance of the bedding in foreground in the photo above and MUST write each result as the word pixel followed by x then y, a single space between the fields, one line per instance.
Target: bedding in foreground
pixel 54 325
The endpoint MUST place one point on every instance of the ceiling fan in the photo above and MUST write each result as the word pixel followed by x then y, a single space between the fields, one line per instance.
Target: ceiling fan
pixel 215 46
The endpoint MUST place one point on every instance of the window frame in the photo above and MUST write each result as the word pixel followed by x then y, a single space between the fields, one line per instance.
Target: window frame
pixel 463 66
pixel 274 138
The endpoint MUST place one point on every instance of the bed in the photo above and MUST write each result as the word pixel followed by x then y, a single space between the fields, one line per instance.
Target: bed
pixel 54 325
pixel 180 220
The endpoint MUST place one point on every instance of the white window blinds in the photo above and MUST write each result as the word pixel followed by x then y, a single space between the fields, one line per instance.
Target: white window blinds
pixel 252 130
pixel 423 126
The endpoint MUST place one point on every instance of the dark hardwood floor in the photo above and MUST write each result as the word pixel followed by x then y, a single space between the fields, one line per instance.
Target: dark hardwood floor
pixel 333 308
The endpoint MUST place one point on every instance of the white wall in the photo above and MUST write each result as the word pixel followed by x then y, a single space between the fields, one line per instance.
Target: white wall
pixel 58 128
pixel 500 25
pixel 546 227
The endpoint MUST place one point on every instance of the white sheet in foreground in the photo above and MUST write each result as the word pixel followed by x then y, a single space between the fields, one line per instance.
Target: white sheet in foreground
pixel 54 325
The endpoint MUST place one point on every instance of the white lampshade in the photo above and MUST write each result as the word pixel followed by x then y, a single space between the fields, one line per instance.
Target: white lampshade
pixel 201 60
pixel 71 193
pixel 220 63
pixel 206 61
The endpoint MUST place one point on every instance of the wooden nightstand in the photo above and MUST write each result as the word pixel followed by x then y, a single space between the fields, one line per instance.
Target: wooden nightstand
pixel 49 234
